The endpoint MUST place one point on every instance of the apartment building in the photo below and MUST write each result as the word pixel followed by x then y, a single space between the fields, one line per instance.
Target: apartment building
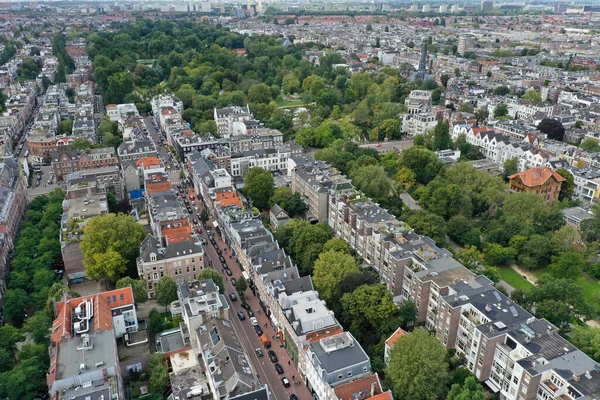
pixel 418 101
pixel 418 124
pixel 314 181
pixel 514 131
pixel 198 302
pixel 587 185
pixel 136 148
pixel 181 260
pixel 335 360
pixel 66 161
pixel 108 180
pixel 575 215
pixel 267 159
pixel 165 100
pixel 120 112
pixel 227 117
pixel 86 329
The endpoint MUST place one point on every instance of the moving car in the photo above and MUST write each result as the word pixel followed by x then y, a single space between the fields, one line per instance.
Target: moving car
pixel 272 356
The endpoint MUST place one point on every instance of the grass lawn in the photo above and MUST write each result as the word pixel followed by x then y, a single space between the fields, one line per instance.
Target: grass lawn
pixel 590 287
pixel 290 103
pixel 514 279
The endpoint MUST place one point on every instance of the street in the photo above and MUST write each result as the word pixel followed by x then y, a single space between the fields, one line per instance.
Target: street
pixel 246 332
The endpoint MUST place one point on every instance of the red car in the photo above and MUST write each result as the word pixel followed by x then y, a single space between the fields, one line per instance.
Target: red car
pixel 199 230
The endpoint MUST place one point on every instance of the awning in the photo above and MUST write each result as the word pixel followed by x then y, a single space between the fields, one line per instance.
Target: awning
pixel 492 385
pixel 215 224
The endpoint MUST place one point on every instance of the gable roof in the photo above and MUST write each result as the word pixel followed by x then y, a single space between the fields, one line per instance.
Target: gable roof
pixel 537 176
pixel 395 336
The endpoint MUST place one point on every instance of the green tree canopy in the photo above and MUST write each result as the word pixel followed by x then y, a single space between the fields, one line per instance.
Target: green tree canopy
pixel 367 309
pixel 591 145
pixel 110 244
pixel 417 367
pixel 469 390
pixel 139 291
pixel 259 186
pixel 208 273
pixel 372 181
pixel 329 271
pixel 166 291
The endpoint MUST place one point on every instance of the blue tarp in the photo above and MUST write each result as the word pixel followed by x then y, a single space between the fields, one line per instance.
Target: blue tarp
pixel 136 194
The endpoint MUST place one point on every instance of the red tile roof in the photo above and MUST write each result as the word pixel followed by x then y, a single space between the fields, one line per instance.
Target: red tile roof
pixel 537 176
pixel 395 336
pixel 369 387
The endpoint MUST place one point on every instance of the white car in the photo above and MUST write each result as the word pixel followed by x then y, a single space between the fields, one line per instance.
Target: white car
pixel 253 321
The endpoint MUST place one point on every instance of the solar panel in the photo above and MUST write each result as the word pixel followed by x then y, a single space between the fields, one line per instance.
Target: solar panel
pixel 514 311
pixel 497 296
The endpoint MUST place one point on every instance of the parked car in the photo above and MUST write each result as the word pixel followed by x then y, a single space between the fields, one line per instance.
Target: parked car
pixel 219 252
pixel 286 382
pixel 233 281
pixel 272 356
pixel 232 296
pixel 241 316
pixel 293 397
pixel 246 306
pixel 227 270
pixel 222 259
pixel 278 368
pixel 250 314
pixel 258 330
pixel 254 321
pixel 259 352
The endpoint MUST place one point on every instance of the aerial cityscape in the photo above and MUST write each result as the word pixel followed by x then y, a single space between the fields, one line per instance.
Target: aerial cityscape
pixel 295 200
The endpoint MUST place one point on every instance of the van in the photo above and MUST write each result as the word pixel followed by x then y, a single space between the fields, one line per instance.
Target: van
pixel 265 340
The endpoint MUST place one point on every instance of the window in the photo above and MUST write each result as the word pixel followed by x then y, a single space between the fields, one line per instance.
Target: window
pixel 349 373
pixel 340 376
pixel 115 298
pixel 108 299
pixel 122 296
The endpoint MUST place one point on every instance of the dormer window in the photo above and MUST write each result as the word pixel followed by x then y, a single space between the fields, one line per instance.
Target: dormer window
pixel 152 256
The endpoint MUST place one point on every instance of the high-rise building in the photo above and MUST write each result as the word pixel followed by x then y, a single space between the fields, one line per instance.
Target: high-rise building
pixel 444 8
pixel 560 8
pixel 455 8
pixel 487 5
pixel 465 44
pixel 426 8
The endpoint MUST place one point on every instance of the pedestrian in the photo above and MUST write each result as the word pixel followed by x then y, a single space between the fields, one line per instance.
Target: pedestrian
pixel 289 362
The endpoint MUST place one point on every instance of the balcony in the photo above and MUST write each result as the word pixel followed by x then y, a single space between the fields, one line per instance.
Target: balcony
pixel 471 318
pixel 548 383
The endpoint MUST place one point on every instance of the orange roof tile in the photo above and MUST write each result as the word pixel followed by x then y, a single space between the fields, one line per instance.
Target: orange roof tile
pixel 395 336
pixel 158 187
pixel 383 396
pixel 537 176
pixel 369 385
pixel 146 162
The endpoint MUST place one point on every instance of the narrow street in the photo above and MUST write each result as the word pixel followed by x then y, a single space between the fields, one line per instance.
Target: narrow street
pixel 246 332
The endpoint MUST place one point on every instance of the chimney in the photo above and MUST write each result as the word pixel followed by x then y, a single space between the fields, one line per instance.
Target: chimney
pixel 373 388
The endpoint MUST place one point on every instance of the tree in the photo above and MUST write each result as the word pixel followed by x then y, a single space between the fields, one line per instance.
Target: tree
pixel 458 227
pixel 587 339
pixel 567 265
pixel 390 128
pixel 444 79
pixel 482 114
pixel 466 107
pixel 404 179
pixel 65 127
pixel 110 244
pixel 367 309
pixel 241 285
pixel 533 96
pixel 217 279
pixel 372 181
pixel 441 136
pixel 159 374
pixel 139 291
pixel 428 224
pixel 417 367
pixel 166 291
pixel 567 188
pixel 357 279
pixel 511 167
pixel 423 162
pixel 501 110
pixel 470 257
pixel 553 128
pixel 259 93
pixel 9 337
pixel 329 271
pixel 496 254
pixel 590 145
pixel 470 390
pixel 559 291
pixel 336 244
pixel 16 302
pixel 259 186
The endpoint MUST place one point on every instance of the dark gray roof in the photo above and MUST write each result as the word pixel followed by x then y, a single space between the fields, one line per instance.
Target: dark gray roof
pixel 341 357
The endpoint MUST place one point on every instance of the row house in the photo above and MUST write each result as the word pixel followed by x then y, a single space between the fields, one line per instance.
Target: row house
pixel 20 103
pixel 66 161
pixel 515 131
pixel 107 180
pixel 262 138
pixel 138 147
pixel 327 357
pixel 13 205
pixel 180 260
pixel 165 100
pixel 135 173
